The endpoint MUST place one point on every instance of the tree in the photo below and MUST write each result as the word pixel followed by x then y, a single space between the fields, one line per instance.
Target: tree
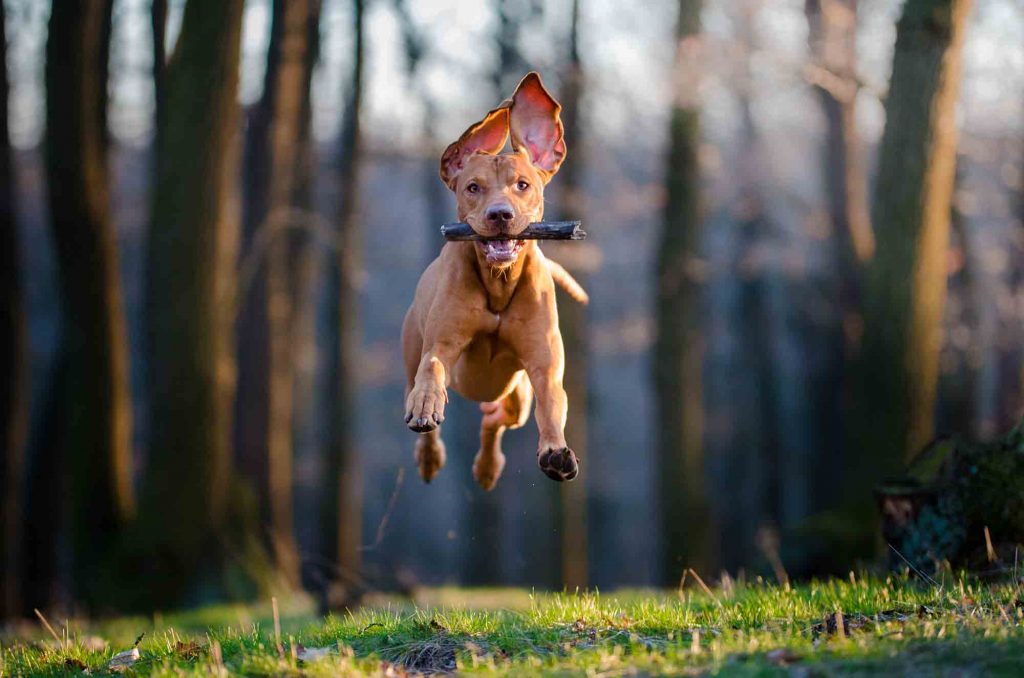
pixel 13 363
pixel 833 72
pixel 342 519
pixel 191 278
pixel 95 411
pixel 572 318
pixel 417 51
pixel 264 409
pixel 905 283
pixel 158 24
pixel 306 257
pixel 756 455
pixel 677 350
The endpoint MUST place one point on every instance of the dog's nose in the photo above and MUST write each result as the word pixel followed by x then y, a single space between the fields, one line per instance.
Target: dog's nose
pixel 499 215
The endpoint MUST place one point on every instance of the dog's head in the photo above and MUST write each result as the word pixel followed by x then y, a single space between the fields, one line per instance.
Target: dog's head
pixel 499 195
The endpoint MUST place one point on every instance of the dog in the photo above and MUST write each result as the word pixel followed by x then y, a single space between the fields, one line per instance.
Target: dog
pixel 483 321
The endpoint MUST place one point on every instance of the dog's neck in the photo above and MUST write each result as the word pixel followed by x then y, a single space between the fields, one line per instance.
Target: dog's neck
pixel 501 284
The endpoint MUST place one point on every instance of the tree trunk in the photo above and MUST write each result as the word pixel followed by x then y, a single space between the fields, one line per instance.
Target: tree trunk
pixel 905 284
pixel 685 514
pixel 266 370
pixel 306 268
pixel 192 258
pixel 13 364
pixel 45 501
pixel 573 321
pixel 833 70
pixel 96 404
pixel 158 23
pixel 342 511
pixel 958 386
pixel 832 41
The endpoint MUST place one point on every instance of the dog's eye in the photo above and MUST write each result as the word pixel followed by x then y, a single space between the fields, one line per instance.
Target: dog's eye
pixel 522 185
pixel 473 187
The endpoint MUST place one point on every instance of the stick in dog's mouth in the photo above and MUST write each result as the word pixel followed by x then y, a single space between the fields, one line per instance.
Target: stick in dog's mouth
pixel 540 230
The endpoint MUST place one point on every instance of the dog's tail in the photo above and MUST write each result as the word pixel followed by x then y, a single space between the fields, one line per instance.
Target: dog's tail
pixel 567 282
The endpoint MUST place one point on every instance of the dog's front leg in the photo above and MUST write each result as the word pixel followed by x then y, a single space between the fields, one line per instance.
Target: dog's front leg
pixel 445 339
pixel 544 360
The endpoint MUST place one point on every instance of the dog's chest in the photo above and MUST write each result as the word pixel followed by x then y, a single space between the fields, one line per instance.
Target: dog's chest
pixel 488 348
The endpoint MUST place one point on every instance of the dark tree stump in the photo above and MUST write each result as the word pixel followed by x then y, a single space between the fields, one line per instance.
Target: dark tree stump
pixel 952 491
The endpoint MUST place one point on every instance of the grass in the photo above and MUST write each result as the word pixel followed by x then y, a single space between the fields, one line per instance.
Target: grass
pixel 865 626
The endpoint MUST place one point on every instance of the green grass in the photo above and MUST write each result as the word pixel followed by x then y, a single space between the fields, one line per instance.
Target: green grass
pixel 898 626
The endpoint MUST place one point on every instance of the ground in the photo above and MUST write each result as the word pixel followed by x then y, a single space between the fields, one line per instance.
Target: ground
pixel 900 626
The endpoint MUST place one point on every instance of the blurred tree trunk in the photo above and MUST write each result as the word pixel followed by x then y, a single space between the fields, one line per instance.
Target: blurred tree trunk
pixel 306 266
pixel 958 384
pixel 343 502
pixel 191 259
pixel 832 39
pixel 511 64
pixel 158 24
pixel 756 455
pixel 415 44
pixel 264 408
pixel 678 347
pixel 833 72
pixel 45 502
pixel 96 405
pixel 13 364
pixel 905 285
pixel 573 323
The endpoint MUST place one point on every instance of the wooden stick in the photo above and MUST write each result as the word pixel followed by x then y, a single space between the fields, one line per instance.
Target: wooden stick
pixel 541 230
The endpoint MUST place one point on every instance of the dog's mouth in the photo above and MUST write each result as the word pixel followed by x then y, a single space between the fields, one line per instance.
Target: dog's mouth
pixel 501 252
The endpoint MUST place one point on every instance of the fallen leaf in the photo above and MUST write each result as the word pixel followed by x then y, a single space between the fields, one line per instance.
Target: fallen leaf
pixel 123 660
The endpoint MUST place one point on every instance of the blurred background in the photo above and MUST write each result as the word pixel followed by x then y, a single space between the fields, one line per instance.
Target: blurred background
pixel 805 260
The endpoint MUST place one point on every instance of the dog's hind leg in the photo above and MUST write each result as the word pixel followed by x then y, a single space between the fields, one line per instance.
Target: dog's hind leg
pixel 512 411
pixel 429 453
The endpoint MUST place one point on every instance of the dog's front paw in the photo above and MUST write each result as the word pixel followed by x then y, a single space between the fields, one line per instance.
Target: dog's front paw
pixel 424 408
pixel 559 465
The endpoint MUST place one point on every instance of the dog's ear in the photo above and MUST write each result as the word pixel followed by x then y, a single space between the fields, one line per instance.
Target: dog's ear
pixel 536 125
pixel 487 136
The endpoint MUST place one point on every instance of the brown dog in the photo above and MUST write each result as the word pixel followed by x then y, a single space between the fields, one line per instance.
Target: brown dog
pixel 484 320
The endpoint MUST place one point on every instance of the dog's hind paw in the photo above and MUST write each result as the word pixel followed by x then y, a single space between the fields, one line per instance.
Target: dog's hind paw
pixel 559 465
pixel 487 469
pixel 430 457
